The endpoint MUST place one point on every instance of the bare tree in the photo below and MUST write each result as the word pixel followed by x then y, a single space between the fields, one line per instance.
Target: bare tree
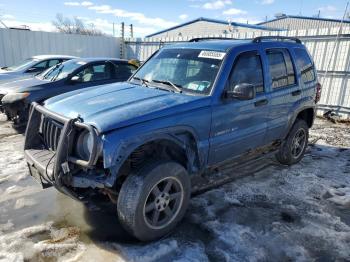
pixel 74 26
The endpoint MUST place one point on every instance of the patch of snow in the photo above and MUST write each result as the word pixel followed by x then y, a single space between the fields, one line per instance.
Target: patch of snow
pixel 274 213
pixel 7 226
pixel 24 202
pixel 147 253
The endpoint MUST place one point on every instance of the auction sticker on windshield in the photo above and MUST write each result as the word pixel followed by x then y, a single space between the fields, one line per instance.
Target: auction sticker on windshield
pixel 212 55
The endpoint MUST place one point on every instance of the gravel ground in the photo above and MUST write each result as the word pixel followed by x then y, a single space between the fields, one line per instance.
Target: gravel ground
pixel 270 213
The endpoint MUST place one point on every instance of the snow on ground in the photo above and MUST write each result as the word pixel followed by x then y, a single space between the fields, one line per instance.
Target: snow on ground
pixel 271 212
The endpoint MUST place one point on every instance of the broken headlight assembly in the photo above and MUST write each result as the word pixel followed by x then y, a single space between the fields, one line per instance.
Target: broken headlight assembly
pixel 84 145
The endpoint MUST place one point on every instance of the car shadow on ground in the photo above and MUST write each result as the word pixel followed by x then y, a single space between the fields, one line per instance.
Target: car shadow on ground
pixel 277 214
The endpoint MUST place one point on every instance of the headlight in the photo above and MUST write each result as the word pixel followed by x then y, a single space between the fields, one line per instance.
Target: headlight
pixel 84 145
pixel 13 97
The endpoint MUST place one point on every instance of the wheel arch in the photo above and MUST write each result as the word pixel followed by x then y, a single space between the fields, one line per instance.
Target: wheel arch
pixel 305 113
pixel 180 145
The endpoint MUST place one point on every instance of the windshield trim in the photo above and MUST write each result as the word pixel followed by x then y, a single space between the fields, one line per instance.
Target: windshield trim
pixel 185 90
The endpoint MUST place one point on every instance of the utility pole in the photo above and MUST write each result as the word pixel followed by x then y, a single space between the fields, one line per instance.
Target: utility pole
pixel 131 31
pixel 122 31
pixel 113 30
pixel 122 42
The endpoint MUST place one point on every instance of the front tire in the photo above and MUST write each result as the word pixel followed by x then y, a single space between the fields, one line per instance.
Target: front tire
pixel 293 147
pixel 153 200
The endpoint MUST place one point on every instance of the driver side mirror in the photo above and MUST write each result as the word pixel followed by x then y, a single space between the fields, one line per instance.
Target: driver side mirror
pixel 75 80
pixel 241 91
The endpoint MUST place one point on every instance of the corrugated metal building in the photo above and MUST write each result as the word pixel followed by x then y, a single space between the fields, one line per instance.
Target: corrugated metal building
pixel 291 22
pixel 205 26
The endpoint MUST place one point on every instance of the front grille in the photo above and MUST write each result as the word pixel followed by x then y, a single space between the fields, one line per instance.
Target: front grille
pixel 51 132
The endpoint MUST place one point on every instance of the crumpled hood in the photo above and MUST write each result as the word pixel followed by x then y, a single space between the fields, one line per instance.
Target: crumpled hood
pixel 113 106
pixel 20 85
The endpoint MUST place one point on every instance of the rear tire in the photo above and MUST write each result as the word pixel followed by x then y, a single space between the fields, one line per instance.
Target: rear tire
pixel 153 200
pixel 293 147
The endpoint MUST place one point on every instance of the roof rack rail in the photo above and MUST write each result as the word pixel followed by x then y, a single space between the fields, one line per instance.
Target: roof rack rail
pixel 259 39
pixel 198 39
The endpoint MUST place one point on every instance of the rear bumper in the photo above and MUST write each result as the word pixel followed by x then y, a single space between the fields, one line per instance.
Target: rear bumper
pixel 55 165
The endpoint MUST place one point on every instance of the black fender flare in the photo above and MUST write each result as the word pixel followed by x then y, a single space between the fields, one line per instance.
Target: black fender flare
pixel 179 136
pixel 295 115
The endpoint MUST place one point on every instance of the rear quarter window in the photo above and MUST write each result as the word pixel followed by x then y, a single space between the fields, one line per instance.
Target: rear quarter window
pixel 305 65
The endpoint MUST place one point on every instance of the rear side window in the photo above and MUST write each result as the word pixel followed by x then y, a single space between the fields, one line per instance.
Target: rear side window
pixel 123 71
pixel 305 65
pixel 248 69
pixel 281 68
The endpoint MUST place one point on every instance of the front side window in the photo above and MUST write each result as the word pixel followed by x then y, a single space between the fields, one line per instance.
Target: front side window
pixel 53 62
pixel 281 68
pixel 41 65
pixel 248 70
pixel 97 72
pixel 122 71
pixel 190 70
pixel 305 65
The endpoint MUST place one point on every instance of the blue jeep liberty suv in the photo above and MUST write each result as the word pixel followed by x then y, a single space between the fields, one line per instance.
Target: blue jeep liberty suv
pixel 191 107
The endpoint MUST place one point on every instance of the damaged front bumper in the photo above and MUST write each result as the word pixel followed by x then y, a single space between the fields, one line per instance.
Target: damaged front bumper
pixel 49 152
pixel 16 111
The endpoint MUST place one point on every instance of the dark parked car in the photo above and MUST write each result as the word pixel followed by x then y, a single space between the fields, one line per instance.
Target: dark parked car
pixel 31 66
pixel 189 109
pixel 74 74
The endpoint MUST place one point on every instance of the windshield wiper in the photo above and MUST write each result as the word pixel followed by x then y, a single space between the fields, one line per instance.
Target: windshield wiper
pixel 144 81
pixel 60 68
pixel 169 83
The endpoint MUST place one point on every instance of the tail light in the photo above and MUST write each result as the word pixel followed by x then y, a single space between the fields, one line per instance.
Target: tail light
pixel 318 92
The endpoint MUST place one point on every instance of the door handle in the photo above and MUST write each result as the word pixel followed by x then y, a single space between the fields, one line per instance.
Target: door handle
pixel 296 93
pixel 261 102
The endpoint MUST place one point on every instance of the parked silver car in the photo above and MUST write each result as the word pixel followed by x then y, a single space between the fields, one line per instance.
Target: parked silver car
pixel 31 66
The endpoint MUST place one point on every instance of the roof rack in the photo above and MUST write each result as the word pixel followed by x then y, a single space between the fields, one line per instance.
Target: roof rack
pixel 198 39
pixel 259 39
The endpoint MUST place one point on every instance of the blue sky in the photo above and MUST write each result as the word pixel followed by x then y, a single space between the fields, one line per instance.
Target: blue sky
pixel 150 16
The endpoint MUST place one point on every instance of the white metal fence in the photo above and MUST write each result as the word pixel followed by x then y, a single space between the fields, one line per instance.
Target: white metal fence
pixel 16 45
pixel 320 43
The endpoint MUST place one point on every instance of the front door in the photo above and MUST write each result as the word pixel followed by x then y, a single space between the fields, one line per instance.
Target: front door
pixel 95 74
pixel 240 125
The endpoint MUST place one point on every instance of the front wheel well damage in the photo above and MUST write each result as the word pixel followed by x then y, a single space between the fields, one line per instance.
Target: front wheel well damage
pixel 183 151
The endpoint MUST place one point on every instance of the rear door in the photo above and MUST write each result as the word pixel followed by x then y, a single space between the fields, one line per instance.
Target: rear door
pixel 306 68
pixel 98 73
pixel 240 125
pixel 284 91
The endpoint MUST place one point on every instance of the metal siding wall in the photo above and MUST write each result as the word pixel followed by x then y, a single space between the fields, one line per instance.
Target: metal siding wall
pixel 16 45
pixel 320 43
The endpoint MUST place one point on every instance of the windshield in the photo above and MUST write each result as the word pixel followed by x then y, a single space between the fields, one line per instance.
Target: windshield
pixel 190 70
pixel 60 71
pixel 22 65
